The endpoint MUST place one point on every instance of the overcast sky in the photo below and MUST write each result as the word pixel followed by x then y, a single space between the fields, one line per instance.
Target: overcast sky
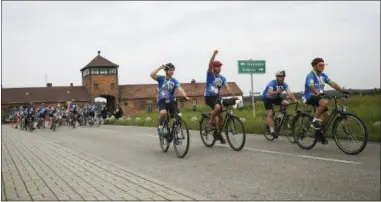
pixel 59 38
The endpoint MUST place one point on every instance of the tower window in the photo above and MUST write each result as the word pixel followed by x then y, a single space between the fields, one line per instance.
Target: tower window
pixel 112 70
pixel 94 70
pixel 102 71
pixel 96 86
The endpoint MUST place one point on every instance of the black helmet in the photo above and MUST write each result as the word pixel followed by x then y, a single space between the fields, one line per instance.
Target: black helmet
pixel 169 66
pixel 316 60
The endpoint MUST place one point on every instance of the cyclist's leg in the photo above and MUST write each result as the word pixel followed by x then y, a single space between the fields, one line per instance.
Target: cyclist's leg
pixel 320 107
pixel 162 114
pixel 268 102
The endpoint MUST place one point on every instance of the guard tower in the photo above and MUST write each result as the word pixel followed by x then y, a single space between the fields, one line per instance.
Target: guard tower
pixel 100 77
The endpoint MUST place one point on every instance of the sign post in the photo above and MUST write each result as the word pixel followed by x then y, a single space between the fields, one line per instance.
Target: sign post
pixel 252 67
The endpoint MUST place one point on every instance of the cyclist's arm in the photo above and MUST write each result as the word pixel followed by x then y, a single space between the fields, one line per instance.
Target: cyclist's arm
pixel 227 87
pixel 211 61
pixel 181 90
pixel 292 96
pixel 154 72
pixel 311 85
pixel 334 85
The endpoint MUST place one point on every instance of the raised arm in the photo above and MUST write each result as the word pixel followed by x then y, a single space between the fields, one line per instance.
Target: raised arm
pixel 212 60
pixel 154 72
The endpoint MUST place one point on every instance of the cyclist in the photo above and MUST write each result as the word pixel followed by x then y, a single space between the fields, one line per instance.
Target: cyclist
pixel 166 90
pixel 72 110
pixel 41 115
pixel 314 86
pixel 52 110
pixel 272 95
pixel 214 82
pixel 30 114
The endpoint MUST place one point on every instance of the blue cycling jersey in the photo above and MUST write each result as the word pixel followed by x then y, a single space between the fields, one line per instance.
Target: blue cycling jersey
pixel 274 85
pixel 166 88
pixel 42 110
pixel 316 80
pixel 214 82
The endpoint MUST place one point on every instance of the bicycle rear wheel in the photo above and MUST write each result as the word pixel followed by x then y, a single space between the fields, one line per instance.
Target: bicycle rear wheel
pixel 346 124
pixel 233 129
pixel 207 132
pixel 180 135
pixel 302 131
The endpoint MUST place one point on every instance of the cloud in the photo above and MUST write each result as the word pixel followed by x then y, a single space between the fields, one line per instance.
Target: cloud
pixel 59 38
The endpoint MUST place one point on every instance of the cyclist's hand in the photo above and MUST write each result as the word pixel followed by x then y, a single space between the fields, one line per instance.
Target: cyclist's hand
pixel 279 91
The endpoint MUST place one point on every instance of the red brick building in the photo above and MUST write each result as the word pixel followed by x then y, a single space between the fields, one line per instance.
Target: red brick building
pixel 100 79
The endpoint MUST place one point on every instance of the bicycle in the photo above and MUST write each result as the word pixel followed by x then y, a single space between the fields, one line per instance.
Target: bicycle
pixel 230 119
pixel 172 133
pixel 338 115
pixel 281 118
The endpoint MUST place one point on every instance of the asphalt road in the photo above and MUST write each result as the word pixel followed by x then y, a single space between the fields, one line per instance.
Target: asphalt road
pixel 263 170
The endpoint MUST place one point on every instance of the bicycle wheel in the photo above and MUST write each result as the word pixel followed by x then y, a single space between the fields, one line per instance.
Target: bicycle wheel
pixel 164 143
pixel 287 128
pixel 302 131
pixel 233 128
pixel 267 132
pixel 348 123
pixel 180 135
pixel 207 132
pixel 97 122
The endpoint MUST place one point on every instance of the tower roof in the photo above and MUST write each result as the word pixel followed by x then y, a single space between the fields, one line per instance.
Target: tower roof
pixel 100 61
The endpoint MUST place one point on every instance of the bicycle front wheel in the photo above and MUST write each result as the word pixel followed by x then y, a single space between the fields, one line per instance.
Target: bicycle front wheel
pixel 352 129
pixel 235 133
pixel 181 138
pixel 287 128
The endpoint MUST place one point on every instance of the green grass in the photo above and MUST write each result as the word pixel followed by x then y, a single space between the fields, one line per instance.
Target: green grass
pixel 366 107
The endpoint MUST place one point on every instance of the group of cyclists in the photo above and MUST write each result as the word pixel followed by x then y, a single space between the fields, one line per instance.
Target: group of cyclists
pixel 313 94
pixel 66 114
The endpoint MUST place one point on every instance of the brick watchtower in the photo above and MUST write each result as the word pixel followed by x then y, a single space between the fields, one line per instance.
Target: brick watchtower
pixel 100 78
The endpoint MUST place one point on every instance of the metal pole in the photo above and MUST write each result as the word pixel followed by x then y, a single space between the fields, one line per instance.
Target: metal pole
pixel 252 94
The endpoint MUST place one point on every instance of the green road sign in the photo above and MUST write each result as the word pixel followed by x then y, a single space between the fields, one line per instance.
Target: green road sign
pixel 251 66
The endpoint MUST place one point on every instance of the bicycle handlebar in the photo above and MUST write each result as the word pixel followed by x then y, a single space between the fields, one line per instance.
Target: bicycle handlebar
pixel 334 97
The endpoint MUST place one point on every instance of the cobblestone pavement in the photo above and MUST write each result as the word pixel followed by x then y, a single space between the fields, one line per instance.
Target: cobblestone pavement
pixel 37 169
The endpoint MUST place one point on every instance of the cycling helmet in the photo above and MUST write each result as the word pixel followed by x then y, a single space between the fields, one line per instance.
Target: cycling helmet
pixel 281 73
pixel 316 61
pixel 169 66
pixel 217 63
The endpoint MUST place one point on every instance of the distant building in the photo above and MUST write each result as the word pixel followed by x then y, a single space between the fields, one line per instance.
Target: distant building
pixel 100 79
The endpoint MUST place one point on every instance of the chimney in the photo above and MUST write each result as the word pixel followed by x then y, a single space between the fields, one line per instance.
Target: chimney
pixel 71 84
pixel 99 52
pixel 193 81
pixel 48 84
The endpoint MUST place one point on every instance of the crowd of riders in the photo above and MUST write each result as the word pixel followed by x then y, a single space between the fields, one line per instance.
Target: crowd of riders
pixel 61 114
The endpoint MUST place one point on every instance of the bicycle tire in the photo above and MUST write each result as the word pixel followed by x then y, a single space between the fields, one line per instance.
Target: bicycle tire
pixel 235 120
pixel 335 135
pixel 298 117
pixel 287 126
pixel 164 144
pixel 202 126
pixel 175 139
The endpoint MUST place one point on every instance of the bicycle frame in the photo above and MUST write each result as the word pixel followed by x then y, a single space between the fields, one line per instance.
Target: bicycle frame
pixel 279 126
pixel 335 112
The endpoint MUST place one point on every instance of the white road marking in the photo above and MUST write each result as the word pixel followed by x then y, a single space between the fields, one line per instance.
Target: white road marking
pixel 273 152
